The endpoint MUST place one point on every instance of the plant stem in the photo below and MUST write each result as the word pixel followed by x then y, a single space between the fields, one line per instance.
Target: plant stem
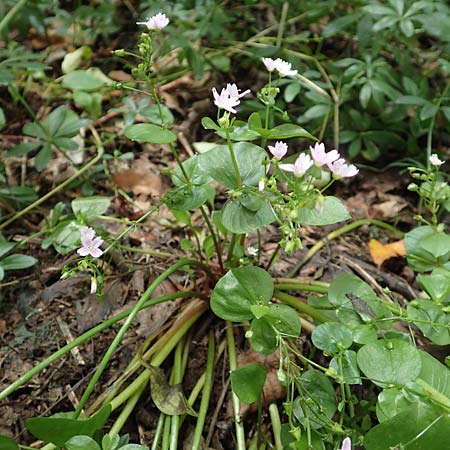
pixel 336 233
pixel 240 433
pixel 282 23
pixel 209 375
pixel 302 307
pixel 194 311
pixel 276 425
pixel 177 377
pixel 113 347
pixel 81 339
pixel 100 151
pixel 217 245
pixel 301 287
pixel 158 432
pixel 434 394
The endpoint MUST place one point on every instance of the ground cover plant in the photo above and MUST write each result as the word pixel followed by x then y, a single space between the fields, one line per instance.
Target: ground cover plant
pixel 185 192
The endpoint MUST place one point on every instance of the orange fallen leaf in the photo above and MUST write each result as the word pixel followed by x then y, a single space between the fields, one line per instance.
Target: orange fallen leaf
pixel 381 252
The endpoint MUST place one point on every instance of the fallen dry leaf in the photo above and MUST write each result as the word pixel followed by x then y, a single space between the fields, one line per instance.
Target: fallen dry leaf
pixel 381 252
pixel 139 182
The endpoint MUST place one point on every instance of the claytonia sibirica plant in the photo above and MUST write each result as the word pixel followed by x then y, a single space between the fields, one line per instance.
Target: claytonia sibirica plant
pixel 279 185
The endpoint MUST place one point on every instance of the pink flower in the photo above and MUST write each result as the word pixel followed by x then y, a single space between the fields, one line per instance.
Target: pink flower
pixel 346 444
pixel 321 157
pixel 284 68
pixel 156 22
pixel 301 165
pixel 340 169
pixel 269 63
pixel 279 150
pixel 435 160
pixel 89 243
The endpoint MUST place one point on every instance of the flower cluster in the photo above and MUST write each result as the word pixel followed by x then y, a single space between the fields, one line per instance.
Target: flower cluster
pixel 283 67
pixel 229 97
pixel 90 245
pixel 156 22
pixel 320 157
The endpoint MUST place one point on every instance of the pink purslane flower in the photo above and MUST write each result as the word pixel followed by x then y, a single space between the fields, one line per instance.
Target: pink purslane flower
pixel 434 159
pixel 279 150
pixel 300 167
pixel 90 245
pixel 269 63
pixel 346 444
pixel 284 68
pixel 341 169
pixel 229 97
pixel 321 157
pixel 156 22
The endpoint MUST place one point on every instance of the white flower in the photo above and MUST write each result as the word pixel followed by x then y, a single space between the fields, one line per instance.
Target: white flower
pixel 93 285
pixel 346 444
pixel 261 185
pixel 435 160
pixel 321 157
pixel 234 91
pixel 156 22
pixel 269 63
pixel 252 251
pixel 301 165
pixel 224 101
pixel 229 97
pixel 284 68
pixel 279 150
pixel 89 243
pixel 341 169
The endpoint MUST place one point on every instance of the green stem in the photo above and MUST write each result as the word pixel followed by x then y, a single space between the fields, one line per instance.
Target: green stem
pixel 234 161
pixel 301 287
pixel 213 235
pixel 100 151
pixel 125 413
pixel 206 392
pixel 302 307
pixel 158 432
pixel 158 359
pixel 177 377
pixel 113 347
pixel 282 23
pixel 434 394
pixel 340 231
pixel 81 339
pixel 166 433
pixel 276 425
pixel 239 424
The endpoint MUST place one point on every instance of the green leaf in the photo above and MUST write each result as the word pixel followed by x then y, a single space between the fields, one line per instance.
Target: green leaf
pixel 19 194
pixel 151 113
pixel 195 175
pixel 263 336
pixel 332 337
pixel 364 95
pixel 436 285
pixel 284 319
pixel 34 129
pixel 436 243
pixel 421 426
pixel 318 402
pixel 209 124
pixel 6 443
pixel 411 100
pixel 248 381
pixel 289 130
pixel 23 149
pixel 55 119
pixel 2 119
pixel 437 329
pixel 81 443
pixel 82 80
pixel 254 121
pixel 58 430
pixel 346 287
pixel 350 372
pixel 5 247
pixel 291 91
pixel 390 363
pixel 89 208
pixel 239 219
pixel 332 211
pixel 435 374
pixel 66 237
pixel 429 110
pixel 43 157
pixel 238 289
pixel 394 401
pixel 340 24
pixel 188 197
pixel 148 132
pixel 240 133
pixel 218 164
pixel 17 262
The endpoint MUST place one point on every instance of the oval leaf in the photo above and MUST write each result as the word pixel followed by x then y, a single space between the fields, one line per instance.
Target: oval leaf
pixel 148 132
pixel 248 381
